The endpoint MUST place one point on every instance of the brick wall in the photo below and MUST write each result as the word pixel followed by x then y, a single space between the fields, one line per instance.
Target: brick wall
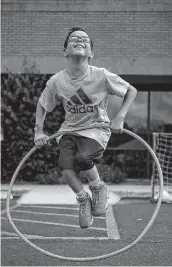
pixel 129 36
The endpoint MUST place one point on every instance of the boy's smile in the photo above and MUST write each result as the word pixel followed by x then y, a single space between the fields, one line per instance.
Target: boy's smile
pixel 79 45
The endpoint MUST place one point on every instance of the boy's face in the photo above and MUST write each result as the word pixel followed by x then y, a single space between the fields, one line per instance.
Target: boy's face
pixel 79 46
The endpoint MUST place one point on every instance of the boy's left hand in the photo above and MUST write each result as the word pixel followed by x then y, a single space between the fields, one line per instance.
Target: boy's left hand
pixel 117 124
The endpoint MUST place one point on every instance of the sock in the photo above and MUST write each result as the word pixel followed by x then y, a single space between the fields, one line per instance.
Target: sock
pixel 95 183
pixel 82 194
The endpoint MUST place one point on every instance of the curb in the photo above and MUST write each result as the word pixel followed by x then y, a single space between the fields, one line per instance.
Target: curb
pixel 130 194
pixel 121 194
pixel 14 194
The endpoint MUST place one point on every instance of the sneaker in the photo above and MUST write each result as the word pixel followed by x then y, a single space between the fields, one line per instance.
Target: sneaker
pixel 100 197
pixel 85 211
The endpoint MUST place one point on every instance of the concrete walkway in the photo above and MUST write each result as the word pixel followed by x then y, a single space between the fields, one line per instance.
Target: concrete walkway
pixel 62 194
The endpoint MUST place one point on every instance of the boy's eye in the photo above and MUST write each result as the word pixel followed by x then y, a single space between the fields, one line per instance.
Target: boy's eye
pixel 86 39
pixel 76 38
pixel 73 39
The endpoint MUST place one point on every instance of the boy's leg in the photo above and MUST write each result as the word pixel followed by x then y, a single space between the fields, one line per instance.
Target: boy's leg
pixel 92 176
pixel 68 150
pixel 83 198
pixel 89 150
pixel 100 192
pixel 72 179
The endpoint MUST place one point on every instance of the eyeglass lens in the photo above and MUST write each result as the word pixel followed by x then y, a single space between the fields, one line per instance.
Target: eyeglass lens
pixel 76 38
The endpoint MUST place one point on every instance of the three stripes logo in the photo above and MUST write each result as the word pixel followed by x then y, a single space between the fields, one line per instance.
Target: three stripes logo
pixel 80 103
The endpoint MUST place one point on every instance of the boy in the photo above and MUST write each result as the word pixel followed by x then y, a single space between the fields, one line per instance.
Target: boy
pixel 83 90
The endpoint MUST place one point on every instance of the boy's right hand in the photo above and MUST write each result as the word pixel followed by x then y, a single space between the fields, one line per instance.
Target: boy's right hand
pixel 40 139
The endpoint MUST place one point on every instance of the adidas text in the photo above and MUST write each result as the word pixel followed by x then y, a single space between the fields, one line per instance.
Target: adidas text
pixel 81 109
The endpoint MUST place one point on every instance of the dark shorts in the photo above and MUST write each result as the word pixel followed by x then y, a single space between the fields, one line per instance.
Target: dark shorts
pixel 78 153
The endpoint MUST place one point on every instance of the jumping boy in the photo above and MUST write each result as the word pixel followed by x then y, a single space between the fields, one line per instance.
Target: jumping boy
pixel 83 90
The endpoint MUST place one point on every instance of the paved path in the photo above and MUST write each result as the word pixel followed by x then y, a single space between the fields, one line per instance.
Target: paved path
pixel 55 228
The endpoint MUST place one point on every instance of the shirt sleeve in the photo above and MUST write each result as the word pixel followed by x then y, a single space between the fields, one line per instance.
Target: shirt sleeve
pixel 115 84
pixel 48 98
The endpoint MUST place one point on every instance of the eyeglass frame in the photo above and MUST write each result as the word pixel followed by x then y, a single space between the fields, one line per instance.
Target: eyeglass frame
pixel 79 37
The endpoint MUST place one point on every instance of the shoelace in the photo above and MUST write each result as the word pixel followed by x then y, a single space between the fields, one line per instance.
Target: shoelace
pixel 83 207
pixel 96 196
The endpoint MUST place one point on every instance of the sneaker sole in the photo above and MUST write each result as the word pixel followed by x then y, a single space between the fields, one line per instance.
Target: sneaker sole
pixel 87 226
pixel 98 214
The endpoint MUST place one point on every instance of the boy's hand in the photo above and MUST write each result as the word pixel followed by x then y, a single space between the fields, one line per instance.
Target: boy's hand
pixel 117 124
pixel 40 139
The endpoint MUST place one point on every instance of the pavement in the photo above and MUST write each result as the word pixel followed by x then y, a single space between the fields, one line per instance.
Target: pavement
pixel 29 193
pixel 55 227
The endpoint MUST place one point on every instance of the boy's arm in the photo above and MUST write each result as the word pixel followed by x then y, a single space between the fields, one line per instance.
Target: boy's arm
pixel 118 122
pixel 46 103
pixel 40 138
pixel 40 117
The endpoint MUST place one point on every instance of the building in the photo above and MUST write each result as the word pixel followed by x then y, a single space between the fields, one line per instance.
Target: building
pixel 131 38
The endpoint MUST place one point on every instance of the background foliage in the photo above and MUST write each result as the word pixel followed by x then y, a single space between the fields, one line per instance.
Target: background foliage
pixel 20 93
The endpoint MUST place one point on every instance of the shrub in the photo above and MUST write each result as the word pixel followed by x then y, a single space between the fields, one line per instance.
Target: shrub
pixel 53 176
pixel 20 94
pixel 111 173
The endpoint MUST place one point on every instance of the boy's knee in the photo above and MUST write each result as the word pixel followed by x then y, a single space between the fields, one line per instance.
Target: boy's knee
pixel 83 161
pixel 80 158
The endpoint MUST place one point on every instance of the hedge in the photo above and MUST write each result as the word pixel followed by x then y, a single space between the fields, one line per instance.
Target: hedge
pixel 20 94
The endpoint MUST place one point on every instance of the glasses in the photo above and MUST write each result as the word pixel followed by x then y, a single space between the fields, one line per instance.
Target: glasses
pixel 84 39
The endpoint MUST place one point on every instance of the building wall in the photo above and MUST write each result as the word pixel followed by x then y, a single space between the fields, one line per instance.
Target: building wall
pixel 130 36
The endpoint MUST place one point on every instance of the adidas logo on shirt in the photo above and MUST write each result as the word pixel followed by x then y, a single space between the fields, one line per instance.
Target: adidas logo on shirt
pixel 80 103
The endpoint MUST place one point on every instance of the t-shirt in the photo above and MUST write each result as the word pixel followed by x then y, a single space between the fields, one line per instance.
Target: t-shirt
pixel 84 100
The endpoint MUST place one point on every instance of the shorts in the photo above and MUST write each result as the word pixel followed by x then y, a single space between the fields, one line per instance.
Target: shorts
pixel 78 153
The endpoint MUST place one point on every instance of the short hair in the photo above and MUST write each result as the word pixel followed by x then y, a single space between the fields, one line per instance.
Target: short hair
pixel 74 29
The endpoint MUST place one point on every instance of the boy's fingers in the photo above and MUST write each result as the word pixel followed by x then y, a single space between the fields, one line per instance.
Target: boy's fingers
pixel 37 145
pixel 118 131
pixel 41 142
pixel 47 141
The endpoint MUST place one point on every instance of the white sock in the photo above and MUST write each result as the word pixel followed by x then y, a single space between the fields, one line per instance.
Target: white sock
pixel 95 183
pixel 81 194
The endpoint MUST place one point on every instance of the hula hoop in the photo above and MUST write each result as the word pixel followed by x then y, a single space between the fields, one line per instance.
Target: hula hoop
pixel 84 259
